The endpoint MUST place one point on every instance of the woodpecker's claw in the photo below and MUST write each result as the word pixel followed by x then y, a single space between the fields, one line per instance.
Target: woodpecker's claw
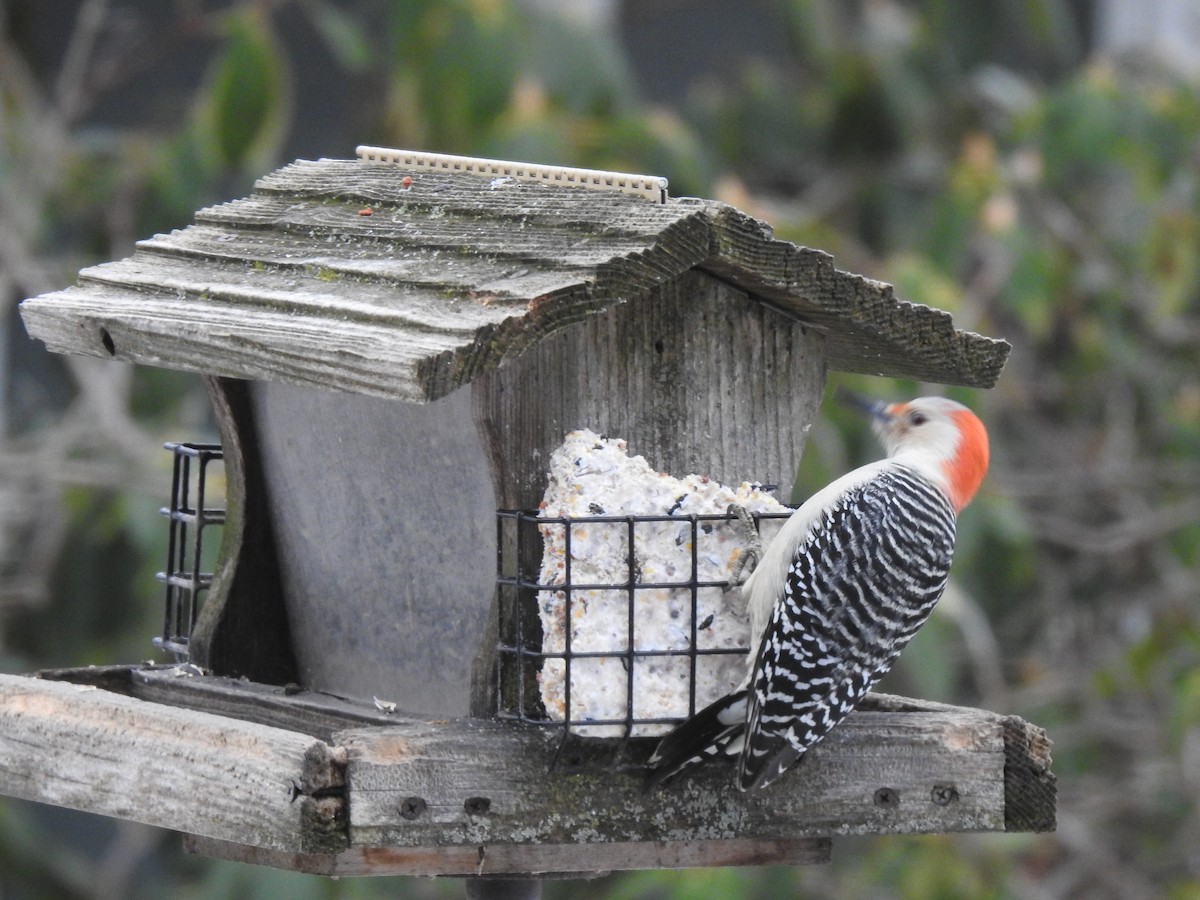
pixel 754 548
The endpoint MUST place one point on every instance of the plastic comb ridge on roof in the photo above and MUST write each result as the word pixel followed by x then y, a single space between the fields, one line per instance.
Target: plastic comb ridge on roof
pixel 652 187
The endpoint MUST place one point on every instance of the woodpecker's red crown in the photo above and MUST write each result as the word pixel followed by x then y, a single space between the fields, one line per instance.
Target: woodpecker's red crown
pixel 940 437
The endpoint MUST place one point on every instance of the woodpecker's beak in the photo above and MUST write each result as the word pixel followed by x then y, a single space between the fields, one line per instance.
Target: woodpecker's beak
pixel 877 412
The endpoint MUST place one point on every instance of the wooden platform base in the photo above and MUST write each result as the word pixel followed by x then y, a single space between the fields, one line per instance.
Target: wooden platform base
pixel 285 778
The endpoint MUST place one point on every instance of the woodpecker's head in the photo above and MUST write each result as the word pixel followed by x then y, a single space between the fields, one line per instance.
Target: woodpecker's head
pixel 940 437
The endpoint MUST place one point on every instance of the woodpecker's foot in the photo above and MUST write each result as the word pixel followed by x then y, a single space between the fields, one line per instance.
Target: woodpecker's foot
pixel 753 551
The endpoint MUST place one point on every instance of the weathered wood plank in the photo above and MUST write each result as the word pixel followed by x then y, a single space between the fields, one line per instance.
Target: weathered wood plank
pixel 1030 788
pixel 684 376
pixel 291 708
pixel 449 278
pixel 357 184
pixel 221 340
pixel 115 678
pixel 417 312
pixel 88 749
pixel 477 277
pixel 545 860
pixel 472 782
pixel 869 329
pixel 473 797
pixel 582 243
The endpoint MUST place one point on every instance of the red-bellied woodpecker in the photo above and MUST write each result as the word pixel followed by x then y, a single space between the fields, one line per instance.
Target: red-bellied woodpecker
pixel 840 591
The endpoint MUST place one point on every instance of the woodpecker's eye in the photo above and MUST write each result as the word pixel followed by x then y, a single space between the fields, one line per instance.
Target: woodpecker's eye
pixel 918 418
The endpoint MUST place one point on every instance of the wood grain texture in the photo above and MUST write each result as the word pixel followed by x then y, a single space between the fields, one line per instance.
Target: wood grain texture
pixel 474 797
pixel 88 749
pixel 869 329
pixel 696 377
pixel 1030 788
pixel 291 708
pixel 543 860
pixel 452 277
pixel 919 772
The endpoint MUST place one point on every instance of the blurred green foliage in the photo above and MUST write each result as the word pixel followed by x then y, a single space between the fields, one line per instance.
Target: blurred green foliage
pixel 964 151
pixel 247 95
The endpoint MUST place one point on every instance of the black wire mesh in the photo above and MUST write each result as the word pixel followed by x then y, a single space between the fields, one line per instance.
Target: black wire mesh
pixel 189 517
pixel 542 662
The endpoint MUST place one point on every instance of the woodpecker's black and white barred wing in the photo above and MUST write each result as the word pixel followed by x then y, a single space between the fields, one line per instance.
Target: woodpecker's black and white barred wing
pixel 710 732
pixel 860 585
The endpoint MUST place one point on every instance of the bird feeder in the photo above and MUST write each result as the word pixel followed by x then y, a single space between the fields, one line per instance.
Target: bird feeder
pixel 395 347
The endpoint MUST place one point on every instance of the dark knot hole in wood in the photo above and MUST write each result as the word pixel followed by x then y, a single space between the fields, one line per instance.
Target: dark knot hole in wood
pixel 477 806
pixel 109 345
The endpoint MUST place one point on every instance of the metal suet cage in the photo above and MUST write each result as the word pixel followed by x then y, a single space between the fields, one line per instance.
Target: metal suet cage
pixel 656 649
pixel 190 517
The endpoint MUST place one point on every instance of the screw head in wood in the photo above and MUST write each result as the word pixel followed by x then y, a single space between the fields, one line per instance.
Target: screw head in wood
pixel 887 798
pixel 412 807
pixel 944 794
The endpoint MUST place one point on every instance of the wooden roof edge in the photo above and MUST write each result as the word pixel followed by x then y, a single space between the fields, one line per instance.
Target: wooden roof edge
pixel 869 329
pixel 883 334
pixel 925 335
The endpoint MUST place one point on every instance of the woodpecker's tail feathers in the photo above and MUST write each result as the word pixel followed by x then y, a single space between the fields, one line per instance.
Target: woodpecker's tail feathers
pixel 708 733
pixel 756 772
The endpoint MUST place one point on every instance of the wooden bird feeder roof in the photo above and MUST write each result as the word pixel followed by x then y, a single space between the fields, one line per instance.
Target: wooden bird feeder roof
pixel 367 277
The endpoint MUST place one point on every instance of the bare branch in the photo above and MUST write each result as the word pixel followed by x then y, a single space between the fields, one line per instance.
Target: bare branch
pixel 71 87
